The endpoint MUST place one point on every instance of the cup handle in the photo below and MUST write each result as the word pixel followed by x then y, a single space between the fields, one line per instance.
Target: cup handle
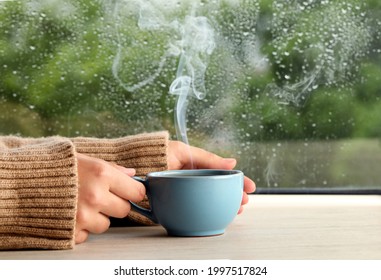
pixel 143 211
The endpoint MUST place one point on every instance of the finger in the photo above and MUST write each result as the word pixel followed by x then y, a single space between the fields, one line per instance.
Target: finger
pixel 98 224
pixel 124 186
pixel 249 185
pixel 112 177
pixel 91 220
pixel 204 159
pixel 81 236
pixel 245 199
pixel 116 207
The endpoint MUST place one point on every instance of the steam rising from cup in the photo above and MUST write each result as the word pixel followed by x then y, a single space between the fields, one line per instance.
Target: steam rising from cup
pixel 196 45
pixel 193 49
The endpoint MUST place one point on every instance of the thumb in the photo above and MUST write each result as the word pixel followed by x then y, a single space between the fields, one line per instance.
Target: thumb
pixel 208 160
pixel 229 163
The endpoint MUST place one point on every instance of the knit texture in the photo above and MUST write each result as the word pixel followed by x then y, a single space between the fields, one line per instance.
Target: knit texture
pixel 38 193
pixel 145 152
pixel 39 183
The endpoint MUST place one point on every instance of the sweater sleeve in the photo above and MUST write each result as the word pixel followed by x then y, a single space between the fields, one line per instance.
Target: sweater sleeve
pixel 38 193
pixel 145 152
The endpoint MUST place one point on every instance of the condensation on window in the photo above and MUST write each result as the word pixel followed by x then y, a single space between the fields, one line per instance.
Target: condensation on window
pixel 290 88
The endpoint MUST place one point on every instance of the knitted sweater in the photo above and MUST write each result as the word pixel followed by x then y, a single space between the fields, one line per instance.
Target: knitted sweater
pixel 39 183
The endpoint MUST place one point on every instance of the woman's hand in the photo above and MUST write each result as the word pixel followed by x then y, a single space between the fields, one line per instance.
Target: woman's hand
pixel 182 156
pixel 104 191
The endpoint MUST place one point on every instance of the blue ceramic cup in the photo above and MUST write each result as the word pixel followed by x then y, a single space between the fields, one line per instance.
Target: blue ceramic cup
pixel 193 202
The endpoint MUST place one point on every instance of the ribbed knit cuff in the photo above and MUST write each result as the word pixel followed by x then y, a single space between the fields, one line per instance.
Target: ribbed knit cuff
pixel 38 193
pixel 145 152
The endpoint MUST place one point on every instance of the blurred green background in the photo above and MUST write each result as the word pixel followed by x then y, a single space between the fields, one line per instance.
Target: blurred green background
pixel 293 87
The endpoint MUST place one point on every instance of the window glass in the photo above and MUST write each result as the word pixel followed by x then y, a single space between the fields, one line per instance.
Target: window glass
pixel 291 88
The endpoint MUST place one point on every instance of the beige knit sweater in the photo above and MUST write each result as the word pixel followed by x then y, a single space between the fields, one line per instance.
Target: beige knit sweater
pixel 39 183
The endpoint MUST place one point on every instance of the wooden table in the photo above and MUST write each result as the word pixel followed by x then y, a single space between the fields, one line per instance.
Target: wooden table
pixel 272 227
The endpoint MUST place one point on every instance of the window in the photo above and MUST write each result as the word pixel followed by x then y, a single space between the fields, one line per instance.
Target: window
pixel 289 87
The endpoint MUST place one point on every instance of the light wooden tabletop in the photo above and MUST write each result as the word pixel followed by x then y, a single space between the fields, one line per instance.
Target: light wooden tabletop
pixel 272 227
